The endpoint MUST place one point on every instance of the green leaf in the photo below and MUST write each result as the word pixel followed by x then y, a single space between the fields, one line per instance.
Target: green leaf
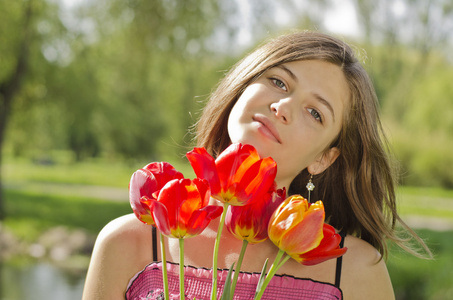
pixel 262 277
pixel 227 287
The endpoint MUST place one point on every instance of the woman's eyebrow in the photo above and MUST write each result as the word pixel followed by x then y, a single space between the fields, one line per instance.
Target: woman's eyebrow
pixel 290 73
pixel 325 103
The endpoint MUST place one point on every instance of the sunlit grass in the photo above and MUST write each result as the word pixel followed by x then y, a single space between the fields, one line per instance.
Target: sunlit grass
pixel 429 202
pixel 418 279
pixel 30 214
pixel 100 172
pixel 40 195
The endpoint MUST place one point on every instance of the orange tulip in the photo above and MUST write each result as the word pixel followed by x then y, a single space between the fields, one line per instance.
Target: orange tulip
pixel 145 185
pixel 298 228
pixel 237 176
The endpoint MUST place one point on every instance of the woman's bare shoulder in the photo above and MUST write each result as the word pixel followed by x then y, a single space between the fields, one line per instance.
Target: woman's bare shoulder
pixel 359 251
pixel 127 226
pixel 123 248
pixel 126 235
pixel 364 274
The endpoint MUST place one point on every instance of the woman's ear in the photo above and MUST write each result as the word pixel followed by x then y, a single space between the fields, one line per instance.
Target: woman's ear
pixel 326 159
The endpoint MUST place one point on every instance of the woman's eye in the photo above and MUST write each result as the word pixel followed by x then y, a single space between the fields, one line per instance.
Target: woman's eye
pixel 279 83
pixel 315 114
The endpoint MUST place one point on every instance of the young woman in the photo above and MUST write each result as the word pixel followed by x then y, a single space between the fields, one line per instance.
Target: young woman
pixel 305 100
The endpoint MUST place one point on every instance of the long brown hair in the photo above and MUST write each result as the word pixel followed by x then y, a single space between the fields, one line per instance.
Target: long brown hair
pixel 358 189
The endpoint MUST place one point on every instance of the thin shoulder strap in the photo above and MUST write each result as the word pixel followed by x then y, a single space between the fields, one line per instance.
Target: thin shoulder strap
pixel 154 241
pixel 339 261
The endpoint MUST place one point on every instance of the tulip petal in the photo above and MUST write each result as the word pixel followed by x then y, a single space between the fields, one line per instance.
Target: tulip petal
pixel 171 196
pixel 201 218
pixel 145 185
pixel 184 201
pixel 233 162
pixel 142 211
pixel 250 222
pixel 327 249
pixel 307 235
pixel 257 180
pixel 310 260
pixel 289 214
pixel 160 216
pixel 163 172
pixel 204 167
pixel 245 158
pixel 180 199
pixel 330 241
pixel 203 190
pixel 141 184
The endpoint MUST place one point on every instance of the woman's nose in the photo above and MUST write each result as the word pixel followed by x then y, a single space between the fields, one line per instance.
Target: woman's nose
pixel 282 110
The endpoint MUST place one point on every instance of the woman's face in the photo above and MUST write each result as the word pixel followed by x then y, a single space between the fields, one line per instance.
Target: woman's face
pixel 292 113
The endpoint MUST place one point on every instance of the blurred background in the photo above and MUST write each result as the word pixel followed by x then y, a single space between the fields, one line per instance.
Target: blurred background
pixel 90 91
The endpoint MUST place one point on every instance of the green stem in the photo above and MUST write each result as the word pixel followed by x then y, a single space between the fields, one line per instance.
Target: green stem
pixel 275 266
pixel 285 259
pixel 164 266
pixel 181 269
pixel 216 252
pixel 238 267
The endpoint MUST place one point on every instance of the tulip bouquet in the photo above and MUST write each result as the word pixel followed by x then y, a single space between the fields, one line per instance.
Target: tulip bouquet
pixel 253 210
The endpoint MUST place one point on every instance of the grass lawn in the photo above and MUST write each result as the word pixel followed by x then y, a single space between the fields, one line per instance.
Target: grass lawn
pixel 429 202
pixel 92 172
pixel 29 214
pixel 419 279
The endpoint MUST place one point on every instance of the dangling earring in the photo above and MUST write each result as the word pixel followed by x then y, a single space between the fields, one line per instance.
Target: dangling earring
pixel 310 187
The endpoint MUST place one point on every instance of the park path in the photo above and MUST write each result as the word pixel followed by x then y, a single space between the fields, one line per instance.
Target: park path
pixel 69 189
pixel 121 194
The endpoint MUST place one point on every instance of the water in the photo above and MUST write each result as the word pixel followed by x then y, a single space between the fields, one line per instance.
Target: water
pixel 39 281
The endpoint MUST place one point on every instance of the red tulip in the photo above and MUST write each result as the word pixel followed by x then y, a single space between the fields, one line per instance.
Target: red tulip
pixel 298 228
pixel 145 185
pixel 327 249
pixel 250 222
pixel 181 209
pixel 237 176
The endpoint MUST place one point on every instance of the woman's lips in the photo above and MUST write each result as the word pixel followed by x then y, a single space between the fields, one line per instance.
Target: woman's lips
pixel 267 128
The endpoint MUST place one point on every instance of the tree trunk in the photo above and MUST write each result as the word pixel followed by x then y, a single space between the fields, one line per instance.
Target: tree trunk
pixel 10 87
pixel 3 116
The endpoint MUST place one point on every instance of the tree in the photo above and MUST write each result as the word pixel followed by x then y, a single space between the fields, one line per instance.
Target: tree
pixel 11 82
pixel 22 37
pixel 423 26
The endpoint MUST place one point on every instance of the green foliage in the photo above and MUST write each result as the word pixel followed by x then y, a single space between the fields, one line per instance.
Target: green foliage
pixel 30 214
pixel 63 170
pixel 431 108
pixel 11 18
pixel 415 278
pixel 119 79
pixel 414 90
pixel 424 157
pixel 421 130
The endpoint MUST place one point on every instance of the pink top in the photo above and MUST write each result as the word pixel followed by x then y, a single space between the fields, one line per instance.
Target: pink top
pixel 147 284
